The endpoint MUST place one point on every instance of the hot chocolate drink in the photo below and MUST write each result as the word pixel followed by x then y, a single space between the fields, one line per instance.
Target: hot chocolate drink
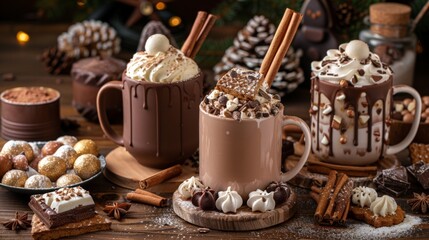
pixel 161 90
pixel 240 135
pixel 351 98
pixel 30 113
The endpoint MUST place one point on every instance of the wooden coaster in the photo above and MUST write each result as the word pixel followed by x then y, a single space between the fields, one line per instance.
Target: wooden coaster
pixel 124 170
pixel 305 178
pixel 243 220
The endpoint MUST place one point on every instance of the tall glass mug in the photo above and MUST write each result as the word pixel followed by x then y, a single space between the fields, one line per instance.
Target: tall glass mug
pixel 245 154
pixel 351 100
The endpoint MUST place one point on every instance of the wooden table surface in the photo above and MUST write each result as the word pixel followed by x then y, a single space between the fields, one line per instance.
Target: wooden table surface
pixel 145 221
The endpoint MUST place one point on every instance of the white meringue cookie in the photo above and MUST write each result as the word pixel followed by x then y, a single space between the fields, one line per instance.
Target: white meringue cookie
pixel 186 187
pixel 383 206
pixel 228 201
pixel 363 196
pixel 261 201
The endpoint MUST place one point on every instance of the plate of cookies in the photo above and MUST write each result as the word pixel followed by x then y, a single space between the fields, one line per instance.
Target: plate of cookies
pixel 40 167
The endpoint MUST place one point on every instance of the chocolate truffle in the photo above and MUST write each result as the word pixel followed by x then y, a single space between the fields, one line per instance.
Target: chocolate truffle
pixel 38 181
pixel 14 178
pixel 67 140
pixel 36 151
pixel 20 162
pixel 86 166
pixel 52 167
pixel 204 199
pixel 35 163
pixel 17 147
pixel 281 191
pixel 68 179
pixel 86 146
pixel 67 153
pixel 51 147
pixel 6 163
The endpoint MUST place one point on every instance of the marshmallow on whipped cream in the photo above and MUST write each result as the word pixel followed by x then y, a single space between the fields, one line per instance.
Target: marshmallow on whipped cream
pixel 354 63
pixel 161 62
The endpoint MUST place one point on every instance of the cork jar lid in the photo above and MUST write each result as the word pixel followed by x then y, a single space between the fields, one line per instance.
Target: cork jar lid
pixel 389 13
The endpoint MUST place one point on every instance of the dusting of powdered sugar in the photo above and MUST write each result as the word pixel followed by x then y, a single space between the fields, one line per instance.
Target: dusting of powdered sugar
pixel 303 227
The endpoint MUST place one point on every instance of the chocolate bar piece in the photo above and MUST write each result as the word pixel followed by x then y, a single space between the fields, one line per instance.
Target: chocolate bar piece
pixel 63 206
pixel 241 83
pixel 393 180
pixel 420 171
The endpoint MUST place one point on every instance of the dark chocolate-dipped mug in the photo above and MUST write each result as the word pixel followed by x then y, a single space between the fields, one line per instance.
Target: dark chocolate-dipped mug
pixel 160 125
pixel 350 125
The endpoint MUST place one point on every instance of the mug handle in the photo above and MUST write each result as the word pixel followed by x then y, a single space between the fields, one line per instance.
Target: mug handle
pixel 102 115
pixel 289 120
pixel 390 150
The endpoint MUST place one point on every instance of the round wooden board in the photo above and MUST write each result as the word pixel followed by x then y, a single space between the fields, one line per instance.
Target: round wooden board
pixel 124 170
pixel 305 178
pixel 243 220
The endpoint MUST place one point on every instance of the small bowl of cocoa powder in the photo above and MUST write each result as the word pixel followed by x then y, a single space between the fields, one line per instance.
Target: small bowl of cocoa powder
pixel 30 113
pixel 402 118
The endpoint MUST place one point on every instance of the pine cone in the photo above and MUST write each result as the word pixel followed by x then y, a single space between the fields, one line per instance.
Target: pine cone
pixel 249 49
pixel 154 27
pixel 57 61
pixel 89 39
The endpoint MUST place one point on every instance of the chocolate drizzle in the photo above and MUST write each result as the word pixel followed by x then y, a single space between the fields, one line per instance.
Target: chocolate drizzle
pixel 373 93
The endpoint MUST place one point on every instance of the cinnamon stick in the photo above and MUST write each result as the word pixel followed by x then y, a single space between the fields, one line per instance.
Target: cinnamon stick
pixel 209 23
pixel 324 196
pixel 315 196
pixel 146 199
pixel 161 176
pixel 343 201
pixel 345 213
pixel 341 180
pixel 277 40
pixel 343 167
pixel 316 189
pixel 147 193
pixel 284 47
pixel 195 32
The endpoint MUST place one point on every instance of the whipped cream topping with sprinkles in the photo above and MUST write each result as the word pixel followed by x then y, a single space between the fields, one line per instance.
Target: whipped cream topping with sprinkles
pixel 354 63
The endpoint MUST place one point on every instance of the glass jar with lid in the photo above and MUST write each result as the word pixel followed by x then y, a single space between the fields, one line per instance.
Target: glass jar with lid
pixel 390 36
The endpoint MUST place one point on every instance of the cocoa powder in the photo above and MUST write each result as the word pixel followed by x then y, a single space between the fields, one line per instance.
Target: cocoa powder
pixel 30 95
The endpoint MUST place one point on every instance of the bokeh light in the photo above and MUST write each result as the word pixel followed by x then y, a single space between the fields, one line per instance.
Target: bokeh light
pixel 160 6
pixel 175 21
pixel 22 37
pixel 146 8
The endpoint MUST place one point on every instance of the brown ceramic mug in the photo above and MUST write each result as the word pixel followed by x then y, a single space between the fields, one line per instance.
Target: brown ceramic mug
pixel 160 119
pixel 245 154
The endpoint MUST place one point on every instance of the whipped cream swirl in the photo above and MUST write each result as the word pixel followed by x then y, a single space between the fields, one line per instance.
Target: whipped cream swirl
pixel 188 186
pixel 228 201
pixel 261 201
pixel 383 206
pixel 363 196
pixel 354 63
pixel 161 63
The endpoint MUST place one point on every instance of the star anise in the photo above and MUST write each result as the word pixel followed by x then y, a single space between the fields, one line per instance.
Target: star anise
pixel 19 222
pixel 117 210
pixel 420 202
